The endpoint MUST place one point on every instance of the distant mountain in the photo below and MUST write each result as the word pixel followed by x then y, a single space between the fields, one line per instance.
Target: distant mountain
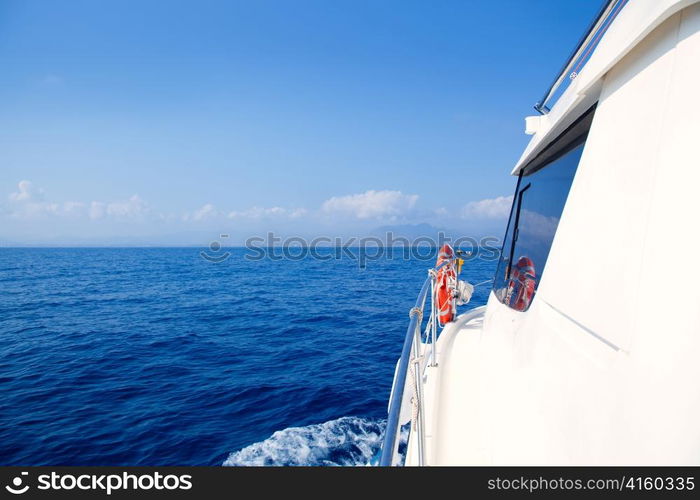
pixel 409 231
pixel 179 239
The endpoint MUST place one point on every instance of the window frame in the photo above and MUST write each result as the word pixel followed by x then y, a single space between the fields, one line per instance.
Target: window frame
pixel 574 136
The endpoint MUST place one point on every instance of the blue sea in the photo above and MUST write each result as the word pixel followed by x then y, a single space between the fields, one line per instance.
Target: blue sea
pixel 157 356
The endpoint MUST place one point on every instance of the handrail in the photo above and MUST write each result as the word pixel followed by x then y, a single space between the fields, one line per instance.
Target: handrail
pixel 591 35
pixel 392 425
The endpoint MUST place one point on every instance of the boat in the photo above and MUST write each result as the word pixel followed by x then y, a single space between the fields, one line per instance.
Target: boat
pixel 588 349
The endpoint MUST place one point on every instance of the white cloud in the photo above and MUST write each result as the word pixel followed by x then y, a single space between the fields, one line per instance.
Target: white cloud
pixel 205 212
pixel 127 209
pixel 262 212
pixel 490 208
pixel 208 211
pixel 74 208
pixel 371 204
pixel 295 213
pixel 133 207
pixel 28 202
pixel 26 192
pixel 537 226
pixel 97 210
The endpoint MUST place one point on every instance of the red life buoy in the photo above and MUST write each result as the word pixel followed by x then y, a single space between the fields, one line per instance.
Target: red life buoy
pixel 521 287
pixel 444 285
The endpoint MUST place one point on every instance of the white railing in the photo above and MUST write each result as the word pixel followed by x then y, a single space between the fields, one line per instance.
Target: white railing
pixel 413 353
pixel 410 350
pixel 588 42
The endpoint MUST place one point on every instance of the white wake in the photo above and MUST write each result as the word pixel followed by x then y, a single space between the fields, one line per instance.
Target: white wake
pixel 346 441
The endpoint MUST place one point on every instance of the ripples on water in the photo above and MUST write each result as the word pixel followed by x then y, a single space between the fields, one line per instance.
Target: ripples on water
pixel 157 357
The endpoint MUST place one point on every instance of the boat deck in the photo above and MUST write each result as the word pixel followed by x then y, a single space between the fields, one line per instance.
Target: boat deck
pixel 451 390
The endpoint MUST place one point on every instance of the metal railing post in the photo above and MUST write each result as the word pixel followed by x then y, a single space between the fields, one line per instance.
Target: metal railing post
pixel 390 442
pixel 605 15
pixel 433 327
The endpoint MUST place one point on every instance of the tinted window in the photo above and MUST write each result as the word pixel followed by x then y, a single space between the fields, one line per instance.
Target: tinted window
pixel 537 206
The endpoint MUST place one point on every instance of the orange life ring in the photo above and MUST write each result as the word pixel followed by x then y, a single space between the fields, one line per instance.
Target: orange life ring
pixel 444 285
pixel 521 287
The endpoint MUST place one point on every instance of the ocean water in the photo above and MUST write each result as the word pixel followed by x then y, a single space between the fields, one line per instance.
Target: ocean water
pixel 156 356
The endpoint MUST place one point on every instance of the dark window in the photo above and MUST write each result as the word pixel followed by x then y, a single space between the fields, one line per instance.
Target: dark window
pixel 537 206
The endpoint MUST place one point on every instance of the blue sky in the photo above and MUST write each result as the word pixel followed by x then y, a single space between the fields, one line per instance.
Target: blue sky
pixel 166 122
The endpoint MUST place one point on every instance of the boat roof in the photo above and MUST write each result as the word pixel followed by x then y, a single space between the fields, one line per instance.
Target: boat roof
pixel 617 29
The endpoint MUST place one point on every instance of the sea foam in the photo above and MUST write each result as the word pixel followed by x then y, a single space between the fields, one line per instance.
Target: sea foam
pixel 346 441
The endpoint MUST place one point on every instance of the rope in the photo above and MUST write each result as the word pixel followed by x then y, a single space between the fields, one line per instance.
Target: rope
pixel 415 401
pixel 484 282
pixel 416 311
